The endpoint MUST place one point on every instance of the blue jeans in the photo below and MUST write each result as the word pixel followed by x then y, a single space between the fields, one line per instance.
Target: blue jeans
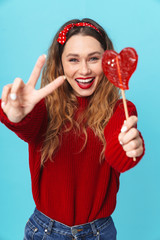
pixel 41 227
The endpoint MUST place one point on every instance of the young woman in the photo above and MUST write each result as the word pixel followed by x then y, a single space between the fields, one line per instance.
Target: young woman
pixel 78 140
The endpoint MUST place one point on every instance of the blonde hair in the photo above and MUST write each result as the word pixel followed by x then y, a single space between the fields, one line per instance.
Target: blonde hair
pixel 62 103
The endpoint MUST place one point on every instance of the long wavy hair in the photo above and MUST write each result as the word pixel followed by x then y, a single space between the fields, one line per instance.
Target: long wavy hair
pixel 62 103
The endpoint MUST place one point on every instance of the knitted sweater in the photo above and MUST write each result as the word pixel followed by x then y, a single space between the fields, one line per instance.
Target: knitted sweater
pixel 75 188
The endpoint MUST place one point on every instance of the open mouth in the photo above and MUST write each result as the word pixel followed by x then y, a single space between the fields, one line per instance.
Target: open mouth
pixel 85 83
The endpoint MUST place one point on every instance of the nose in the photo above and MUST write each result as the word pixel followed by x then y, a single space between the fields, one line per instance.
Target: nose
pixel 85 68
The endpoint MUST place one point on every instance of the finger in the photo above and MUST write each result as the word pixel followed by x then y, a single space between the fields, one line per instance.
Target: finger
pixel 37 71
pixel 5 93
pixel 129 123
pixel 17 85
pixel 132 145
pixel 126 137
pixel 135 153
pixel 48 89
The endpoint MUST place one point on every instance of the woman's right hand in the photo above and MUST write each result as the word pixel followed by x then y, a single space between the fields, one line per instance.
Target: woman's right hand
pixel 18 99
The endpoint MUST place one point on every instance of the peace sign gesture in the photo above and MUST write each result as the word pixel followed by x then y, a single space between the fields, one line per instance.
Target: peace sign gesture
pixel 18 98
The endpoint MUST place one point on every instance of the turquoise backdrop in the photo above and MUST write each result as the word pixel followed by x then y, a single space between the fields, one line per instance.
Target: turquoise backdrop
pixel 26 31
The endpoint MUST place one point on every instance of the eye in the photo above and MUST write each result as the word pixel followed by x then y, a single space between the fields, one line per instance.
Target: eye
pixel 73 60
pixel 94 59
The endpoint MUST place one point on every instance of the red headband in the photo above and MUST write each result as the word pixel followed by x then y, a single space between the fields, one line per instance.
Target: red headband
pixel 62 35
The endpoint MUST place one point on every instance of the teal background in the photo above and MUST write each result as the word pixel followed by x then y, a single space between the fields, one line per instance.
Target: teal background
pixel 26 31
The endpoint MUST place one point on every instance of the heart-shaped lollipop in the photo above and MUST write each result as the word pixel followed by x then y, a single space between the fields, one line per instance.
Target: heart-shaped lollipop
pixel 118 68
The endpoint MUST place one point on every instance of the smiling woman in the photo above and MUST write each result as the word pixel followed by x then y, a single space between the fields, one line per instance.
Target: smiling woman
pixel 82 64
pixel 72 126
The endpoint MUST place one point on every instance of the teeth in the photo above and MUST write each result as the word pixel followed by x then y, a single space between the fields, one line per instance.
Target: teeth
pixel 84 81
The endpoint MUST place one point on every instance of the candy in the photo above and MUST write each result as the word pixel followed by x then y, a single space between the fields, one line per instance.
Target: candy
pixel 118 68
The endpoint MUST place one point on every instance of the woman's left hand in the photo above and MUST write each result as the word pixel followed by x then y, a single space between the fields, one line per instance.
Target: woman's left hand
pixel 130 139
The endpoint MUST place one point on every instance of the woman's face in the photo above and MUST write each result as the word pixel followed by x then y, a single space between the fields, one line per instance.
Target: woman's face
pixel 82 64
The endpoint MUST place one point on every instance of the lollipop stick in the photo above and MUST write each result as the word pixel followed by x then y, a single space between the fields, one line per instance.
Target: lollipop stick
pixel 125 104
pixel 123 94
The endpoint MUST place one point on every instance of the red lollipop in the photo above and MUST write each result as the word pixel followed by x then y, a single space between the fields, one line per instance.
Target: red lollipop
pixel 118 69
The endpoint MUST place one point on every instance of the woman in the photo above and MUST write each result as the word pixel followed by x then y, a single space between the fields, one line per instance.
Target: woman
pixel 78 140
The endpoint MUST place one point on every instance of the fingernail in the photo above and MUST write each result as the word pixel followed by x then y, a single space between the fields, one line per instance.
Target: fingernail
pixel 120 142
pixel 2 104
pixel 13 96
pixel 64 77
pixel 125 121
pixel 124 129
pixel 45 55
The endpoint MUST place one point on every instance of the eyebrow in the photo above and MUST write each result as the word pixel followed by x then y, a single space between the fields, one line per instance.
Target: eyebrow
pixel 76 55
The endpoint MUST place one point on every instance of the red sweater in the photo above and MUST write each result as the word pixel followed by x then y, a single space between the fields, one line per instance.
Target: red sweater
pixel 75 188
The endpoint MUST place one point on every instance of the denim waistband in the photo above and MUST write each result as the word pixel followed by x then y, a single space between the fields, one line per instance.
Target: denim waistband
pixel 76 230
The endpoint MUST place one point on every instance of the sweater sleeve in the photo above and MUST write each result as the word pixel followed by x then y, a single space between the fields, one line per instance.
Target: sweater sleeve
pixel 32 126
pixel 114 153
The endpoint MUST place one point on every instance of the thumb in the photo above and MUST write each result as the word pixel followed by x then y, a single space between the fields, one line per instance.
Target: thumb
pixel 48 89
